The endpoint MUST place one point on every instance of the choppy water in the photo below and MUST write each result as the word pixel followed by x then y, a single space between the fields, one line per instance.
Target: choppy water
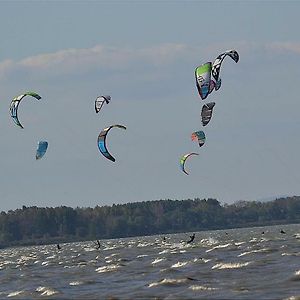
pixel 231 264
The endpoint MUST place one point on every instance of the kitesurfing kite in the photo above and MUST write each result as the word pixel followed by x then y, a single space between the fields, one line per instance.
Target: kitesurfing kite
pixel 199 136
pixel 100 101
pixel 102 141
pixel 41 149
pixel 215 70
pixel 203 82
pixel 212 86
pixel 206 112
pixel 183 160
pixel 218 84
pixel 15 104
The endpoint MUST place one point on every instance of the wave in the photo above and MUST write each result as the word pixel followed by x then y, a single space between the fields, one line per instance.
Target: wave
pixel 218 247
pixel 222 266
pixel 201 288
pixel 16 293
pixel 170 282
pixel 254 251
pixel 157 260
pixel 108 268
pixel 46 291
pixel 74 283
pixel 180 264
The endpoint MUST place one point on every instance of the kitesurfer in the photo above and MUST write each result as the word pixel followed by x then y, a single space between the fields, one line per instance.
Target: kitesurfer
pixel 192 237
pixel 98 245
pixel 58 247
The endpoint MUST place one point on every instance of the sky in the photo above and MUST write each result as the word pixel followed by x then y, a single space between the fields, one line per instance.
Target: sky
pixel 144 54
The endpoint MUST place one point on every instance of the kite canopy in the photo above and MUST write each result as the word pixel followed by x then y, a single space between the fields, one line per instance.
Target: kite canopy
pixel 100 101
pixel 218 84
pixel 199 136
pixel 41 149
pixel 183 160
pixel 215 71
pixel 206 113
pixel 203 82
pixel 102 141
pixel 15 104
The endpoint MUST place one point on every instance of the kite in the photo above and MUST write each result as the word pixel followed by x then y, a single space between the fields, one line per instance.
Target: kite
pixel 183 160
pixel 199 136
pixel 215 70
pixel 102 141
pixel 206 112
pixel 15 104
pixel 218 84
pixel 41 149
pixel 203 82
pixel 100 101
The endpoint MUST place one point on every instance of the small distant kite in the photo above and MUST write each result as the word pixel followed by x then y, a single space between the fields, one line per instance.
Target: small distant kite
pixel 199 136
pixel 15 104
pixel 41 149
pixel 183 160
pixel 100 101
pixel 206 113
pixel 102 141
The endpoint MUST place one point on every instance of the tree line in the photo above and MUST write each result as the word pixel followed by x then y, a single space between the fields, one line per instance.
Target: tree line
pixel 38 225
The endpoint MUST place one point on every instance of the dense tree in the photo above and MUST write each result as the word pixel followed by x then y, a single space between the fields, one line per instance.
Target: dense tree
pixel 33 225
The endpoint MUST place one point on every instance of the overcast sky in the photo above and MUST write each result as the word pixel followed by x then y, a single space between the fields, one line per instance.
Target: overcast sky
pixel 143 54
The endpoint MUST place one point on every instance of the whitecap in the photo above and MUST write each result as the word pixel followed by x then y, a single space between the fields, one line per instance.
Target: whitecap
pixel 110 248
pixel 167 281
pixel 222 266
pixel 290 254
pixel 51 257
pixel 16 293
pixel 107 268
pixel 110 256
pixel 218 247
pixel 253 251
pixel 74 283
pixel 46 291
pixel 157 260
pixel 201 288
pixel 141 245
pixel 209 242
pixel 239 243
pixel 142 255
pixel 179 264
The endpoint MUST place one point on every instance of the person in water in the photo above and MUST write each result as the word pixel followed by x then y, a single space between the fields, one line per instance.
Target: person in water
pixel 58 247
pixel 192 237
pixel 98 245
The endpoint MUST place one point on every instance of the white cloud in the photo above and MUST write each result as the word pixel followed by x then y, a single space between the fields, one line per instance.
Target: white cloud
pixel 82 60
pixel 99 57
pixel 284 46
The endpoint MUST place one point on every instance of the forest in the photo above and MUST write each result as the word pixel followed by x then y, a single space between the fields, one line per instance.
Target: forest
pixel 44 225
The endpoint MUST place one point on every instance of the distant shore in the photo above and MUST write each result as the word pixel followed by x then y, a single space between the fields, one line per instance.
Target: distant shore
pixel 40 226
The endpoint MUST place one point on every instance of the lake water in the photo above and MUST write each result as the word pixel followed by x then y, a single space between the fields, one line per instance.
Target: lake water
pixel 224 264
